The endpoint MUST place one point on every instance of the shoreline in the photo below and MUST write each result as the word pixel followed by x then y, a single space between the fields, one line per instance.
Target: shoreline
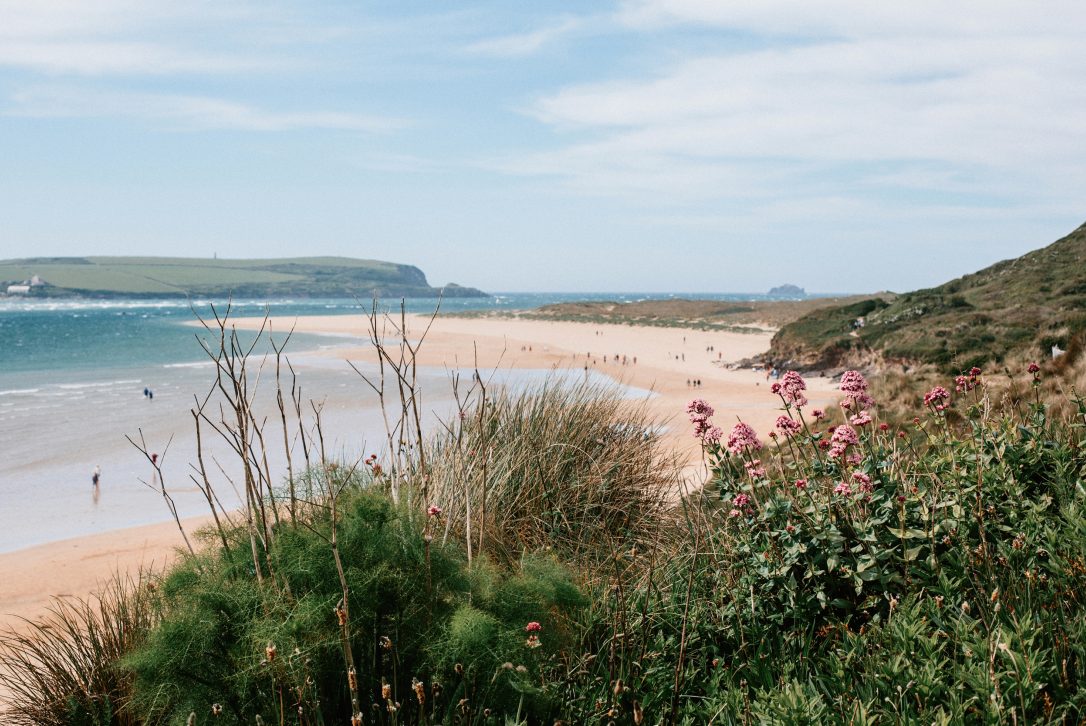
pixel 668 361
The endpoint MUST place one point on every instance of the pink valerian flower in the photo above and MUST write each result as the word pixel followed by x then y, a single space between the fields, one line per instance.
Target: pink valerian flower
pixel 854 459
pixel 533 627
pixel 788 426
pixel 712 435
pixel 864 480
pixel 818 414
pixel 434 511
pixel 843 489
pixel 743 438
pixel 532 642
pixel 775 388
pixel 735 513
pixel 854 386
pixel 863 418
pixel 741 500
pixel 755 469
pixel 1034 368
pixel 884 426
pixel 699 412
pixel 698 409
pixel 792 388
pixel 843 437
pixel 801 484
pixel 936 396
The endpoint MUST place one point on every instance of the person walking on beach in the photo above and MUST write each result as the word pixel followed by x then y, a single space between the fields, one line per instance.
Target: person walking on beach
pixel 96 475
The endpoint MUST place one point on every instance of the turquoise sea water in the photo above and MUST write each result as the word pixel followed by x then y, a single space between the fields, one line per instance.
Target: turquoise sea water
pixel 72 380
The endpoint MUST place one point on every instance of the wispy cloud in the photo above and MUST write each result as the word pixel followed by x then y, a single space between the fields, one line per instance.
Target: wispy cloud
pixel 183 112
pixel 1003 106
pixel 121 37
pixel 523 44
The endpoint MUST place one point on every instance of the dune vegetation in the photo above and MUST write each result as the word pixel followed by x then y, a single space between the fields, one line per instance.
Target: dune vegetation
pixel 540 558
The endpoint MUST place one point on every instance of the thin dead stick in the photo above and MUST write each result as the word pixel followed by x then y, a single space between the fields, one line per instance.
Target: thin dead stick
pixel 156 463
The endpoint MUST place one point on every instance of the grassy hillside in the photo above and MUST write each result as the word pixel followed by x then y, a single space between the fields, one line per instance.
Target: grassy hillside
pixel 1024 305
pixel 746 315
pixel 183 276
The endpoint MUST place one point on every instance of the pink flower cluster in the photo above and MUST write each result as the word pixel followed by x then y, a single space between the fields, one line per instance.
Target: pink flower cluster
pixel 741 500
pixel 863 418
pixel 755 470
pixel 967 383
pixel 935 398
pixel 743 438
pixel 792 388
pixel 843 489
pixel 434 511
pixel 843 437
pixel 854 386
pixel 788 426
pixel 533 627
pixel 1034 368
pixel 864 480
pixel 699 412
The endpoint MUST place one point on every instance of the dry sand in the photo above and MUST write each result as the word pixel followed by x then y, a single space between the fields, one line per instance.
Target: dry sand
pixel 667 358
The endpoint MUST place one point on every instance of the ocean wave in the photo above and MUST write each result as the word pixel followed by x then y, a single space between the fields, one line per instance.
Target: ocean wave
pixel 195 364
pixel 99 384
pixel 18 391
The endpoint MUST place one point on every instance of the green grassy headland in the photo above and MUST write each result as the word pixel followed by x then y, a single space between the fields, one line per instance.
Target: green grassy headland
pixel 108 277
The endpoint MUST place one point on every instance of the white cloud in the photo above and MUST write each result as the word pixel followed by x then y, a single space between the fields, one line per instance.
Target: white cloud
pixel 862 19
pixel 886 90
pixel 523 44
pixel 185 112
pixel 127 36
pixel 92 58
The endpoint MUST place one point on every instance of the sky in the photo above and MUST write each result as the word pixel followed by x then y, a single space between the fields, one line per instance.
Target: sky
pixel 637 145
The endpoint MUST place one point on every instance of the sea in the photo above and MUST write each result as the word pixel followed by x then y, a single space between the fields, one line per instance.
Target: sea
pixel 83 381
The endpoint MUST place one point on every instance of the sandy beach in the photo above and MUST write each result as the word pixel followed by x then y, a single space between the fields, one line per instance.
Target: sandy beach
pixel 667 361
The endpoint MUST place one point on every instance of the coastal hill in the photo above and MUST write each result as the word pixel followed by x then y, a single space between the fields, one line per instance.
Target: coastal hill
pixel 1022 306
pixel 158 277
pixel 727 315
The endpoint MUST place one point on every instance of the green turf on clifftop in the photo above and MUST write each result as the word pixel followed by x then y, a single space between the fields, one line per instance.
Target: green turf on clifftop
pixel 106 277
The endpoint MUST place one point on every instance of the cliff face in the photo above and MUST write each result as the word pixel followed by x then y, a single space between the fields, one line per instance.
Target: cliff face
pixel 1026 304
pixel 173 277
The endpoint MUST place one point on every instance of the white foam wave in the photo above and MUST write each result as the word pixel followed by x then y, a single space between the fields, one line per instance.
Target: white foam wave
pixel 19 391
pixel 196 364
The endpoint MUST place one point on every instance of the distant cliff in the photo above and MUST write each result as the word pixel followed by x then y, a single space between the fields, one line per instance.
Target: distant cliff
pixel 156 277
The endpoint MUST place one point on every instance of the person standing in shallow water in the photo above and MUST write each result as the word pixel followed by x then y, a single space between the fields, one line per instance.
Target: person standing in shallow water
pixel 96 475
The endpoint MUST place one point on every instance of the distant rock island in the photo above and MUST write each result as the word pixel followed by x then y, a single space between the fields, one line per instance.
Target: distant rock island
pixel 166 277
pixel 788 291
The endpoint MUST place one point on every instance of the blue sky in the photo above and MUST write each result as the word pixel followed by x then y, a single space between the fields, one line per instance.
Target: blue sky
pixel 681 145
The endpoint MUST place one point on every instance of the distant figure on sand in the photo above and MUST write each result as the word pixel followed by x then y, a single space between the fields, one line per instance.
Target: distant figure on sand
pixel 96 475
